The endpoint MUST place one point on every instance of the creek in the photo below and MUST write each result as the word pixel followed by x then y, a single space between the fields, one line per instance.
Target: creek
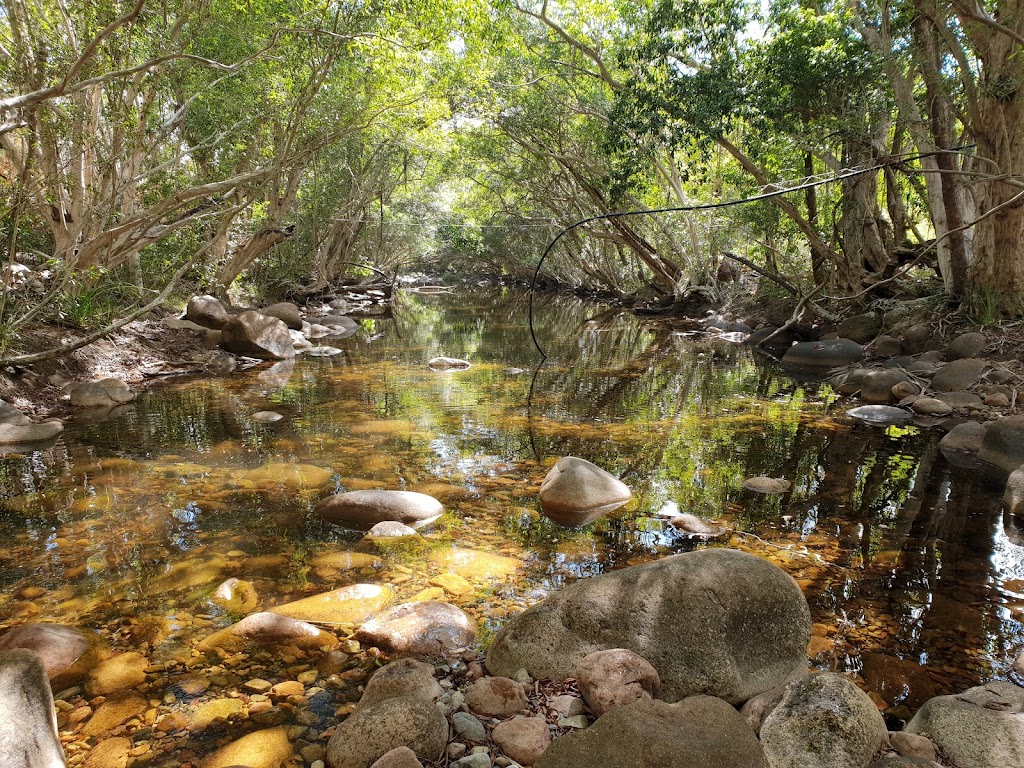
pixel 913 570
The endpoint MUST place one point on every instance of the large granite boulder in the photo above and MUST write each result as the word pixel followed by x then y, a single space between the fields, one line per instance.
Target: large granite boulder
pixel 16 427
pixel 371 732
pixel 576 492
pixel 714 621
pixel 823 721
pixel 698 731
pixel 254 335
pixel 28 728
pixel 67 654
pixel 427 628
pixel 830 353
pixel 206 311
pixel 364 509
pixel 983 727
pixel 1003 443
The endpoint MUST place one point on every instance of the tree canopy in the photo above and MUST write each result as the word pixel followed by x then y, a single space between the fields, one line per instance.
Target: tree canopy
pixel 277 143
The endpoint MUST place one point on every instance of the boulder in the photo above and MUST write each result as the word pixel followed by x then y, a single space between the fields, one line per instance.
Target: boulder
pixel 698 731
pixel 697 527
pixel 524 739
pixel 879 414
pixel 1003 443
pixel 831 353
pixel 402 678
pixel 912 745
pixel 427 628
pixel 67 654
pixel 577 492
pixel 266 417
pixel 743 622
pixel 496 697
pixel 364 509
pixel 782 341
pixel 966 345
pixel 286 312
pixel 983 727
pixel 931 406
pixel 28 729
pixel 254 335
pixel 850 382
pixel 966 437
pixel 877 386
pixel 888 346
pixel 105 393
pixel 612 678
pixel 206 311
pixel 768 485
pixel 371 732
pixel 1013 496
pixel 221 363
pixel 860 328
pixel 823 721
pixel 16 427
pixel 958 375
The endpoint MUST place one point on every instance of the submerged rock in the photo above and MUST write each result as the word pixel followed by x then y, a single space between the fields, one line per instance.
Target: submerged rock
pixel 448 364
pixel 67 654
pixel 28 728
pixel 235 595
pixel 577 492
pixel 364 509
pixel 269 630
pixel 16 427
pixel 768 485
pixel 697 527
pixel 268 748
pixel 353 604
pixel 743 621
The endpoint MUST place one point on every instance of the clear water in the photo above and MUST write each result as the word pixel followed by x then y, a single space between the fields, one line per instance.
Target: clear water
pixel 913 570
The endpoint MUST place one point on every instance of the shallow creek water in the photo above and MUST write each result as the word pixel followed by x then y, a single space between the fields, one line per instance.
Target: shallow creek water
pixel 914 572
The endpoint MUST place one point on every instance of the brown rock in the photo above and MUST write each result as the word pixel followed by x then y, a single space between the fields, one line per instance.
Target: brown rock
pixel 270 629
pixel 254 335
pixel 426 628
pixel 371 732
pixel 268 748
pixel 66 653
pixel 109 753
pixel 524 739
pixel 405 677
pixel 577 492
pixel 496 696
pixel 114 711
pixel 612 678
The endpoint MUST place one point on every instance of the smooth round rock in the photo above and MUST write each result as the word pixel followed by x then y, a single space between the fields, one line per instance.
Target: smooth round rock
pixel 966 345
pixel 697 527
pixel 767 485
pixel 269 630
pixel 496 697
pixel 67 654
pixel 286 312
pixel 879 414
pixel 931 406
pixel 364 509
pixel 267 417
pixel 206 311
pixel 28 728
pixel 16 427
pixel 831 353
pixel 390 529
pixel 958 375
pixel 576 492
pixel 448 364
pixel 967 437
pixel 399 757
pixel 877 386
pixel 105 393
pixel 1003 443
pixel 524 739
pixel 860 328
pixel 743 621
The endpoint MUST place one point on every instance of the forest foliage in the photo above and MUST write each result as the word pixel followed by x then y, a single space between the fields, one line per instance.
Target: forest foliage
pixel 275 145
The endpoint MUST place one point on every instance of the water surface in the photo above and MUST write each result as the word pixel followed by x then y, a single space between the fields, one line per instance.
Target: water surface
pixel 912 568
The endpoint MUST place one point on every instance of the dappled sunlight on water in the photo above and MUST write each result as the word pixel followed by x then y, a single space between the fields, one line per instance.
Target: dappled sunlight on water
pixel 129 524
